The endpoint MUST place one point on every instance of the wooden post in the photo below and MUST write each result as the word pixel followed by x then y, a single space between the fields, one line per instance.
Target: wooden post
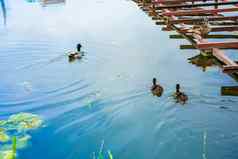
pixel 229 90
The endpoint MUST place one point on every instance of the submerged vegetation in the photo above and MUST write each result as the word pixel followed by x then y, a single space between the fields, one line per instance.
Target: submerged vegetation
pixel 101 155
pixel 16 127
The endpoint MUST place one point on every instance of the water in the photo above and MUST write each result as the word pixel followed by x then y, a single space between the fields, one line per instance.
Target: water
pixel 106 96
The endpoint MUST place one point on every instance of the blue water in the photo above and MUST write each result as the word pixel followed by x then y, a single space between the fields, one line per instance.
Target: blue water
pixel 105 97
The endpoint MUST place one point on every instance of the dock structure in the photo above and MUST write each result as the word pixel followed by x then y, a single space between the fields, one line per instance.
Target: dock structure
pixel 198 21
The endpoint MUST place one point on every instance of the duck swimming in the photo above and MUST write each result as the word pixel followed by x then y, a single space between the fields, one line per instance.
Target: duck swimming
pixel 156 89
pixel 73 55
pixel 181 97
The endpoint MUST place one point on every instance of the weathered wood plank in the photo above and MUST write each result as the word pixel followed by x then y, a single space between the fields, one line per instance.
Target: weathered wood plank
pixel 177 1
pixel 222 57
pixel 196 5
pixel 230 69
pixel 210 45
pixel 229 90
pixel 199 11
pixel 194 20
pixel 224 28
pixel 212 36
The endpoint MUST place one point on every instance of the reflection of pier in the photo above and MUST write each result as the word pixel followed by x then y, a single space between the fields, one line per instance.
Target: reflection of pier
pixel 49 2
pixel 229 90
pixel 4 12
pixel 202 61
pixel 197 21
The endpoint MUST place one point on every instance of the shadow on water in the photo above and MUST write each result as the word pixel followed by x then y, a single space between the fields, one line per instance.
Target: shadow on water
pixel 4 11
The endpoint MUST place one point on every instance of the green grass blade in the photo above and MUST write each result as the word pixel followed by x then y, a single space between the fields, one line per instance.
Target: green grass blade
pixel 110 154
pixel 14 147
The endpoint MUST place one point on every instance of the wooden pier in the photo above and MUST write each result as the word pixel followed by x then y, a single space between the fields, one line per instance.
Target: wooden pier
pixel 198 21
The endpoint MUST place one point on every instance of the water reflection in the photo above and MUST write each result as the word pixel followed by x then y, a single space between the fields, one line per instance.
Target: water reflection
pixel 229 90
pixel 49 2
pixel 4 12
pixel 202 61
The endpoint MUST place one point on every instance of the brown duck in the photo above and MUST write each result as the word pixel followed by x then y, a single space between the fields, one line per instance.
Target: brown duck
pixel 180 97
pixel 156 89
pixel 73 55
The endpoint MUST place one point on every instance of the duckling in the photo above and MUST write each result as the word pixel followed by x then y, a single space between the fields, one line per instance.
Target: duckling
pixel 156 89
pixel 76 54
pixel 181 97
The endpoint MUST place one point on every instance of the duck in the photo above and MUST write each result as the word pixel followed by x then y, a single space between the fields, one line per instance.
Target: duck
pixel 156 89
pixel 73 55
pixel 180 97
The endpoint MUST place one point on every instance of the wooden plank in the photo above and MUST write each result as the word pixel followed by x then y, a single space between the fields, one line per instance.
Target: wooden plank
pixel 177 1
pixel 229 90
pixel 194 20
pixel 160 23
pixel 196 5
pixel 183 47
pixel 212 36
pixel 222 57
pixel 198 12
pixel 210 45
pixel 230 69
pixel 223 23
pixel 224 28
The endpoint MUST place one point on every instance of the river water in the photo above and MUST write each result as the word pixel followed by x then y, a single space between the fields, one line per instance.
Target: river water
pixel 105 97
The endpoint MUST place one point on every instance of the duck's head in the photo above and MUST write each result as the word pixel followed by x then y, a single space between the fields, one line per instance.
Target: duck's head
pixel 177 87
pixel 154 81
pixel 79 47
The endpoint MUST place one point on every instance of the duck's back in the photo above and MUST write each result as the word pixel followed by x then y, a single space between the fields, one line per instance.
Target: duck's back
pixel 157 90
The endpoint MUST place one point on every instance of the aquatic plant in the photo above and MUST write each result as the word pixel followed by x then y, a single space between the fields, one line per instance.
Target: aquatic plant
pixel 14 147
pixel 22 122
pixel 11 153
pixel 101 154
pixel 3 136
pixel 16 127
pixel 110 154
